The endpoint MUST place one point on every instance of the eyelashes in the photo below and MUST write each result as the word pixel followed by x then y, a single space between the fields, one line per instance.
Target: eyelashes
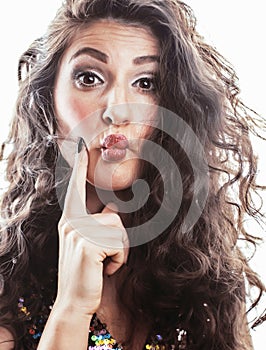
pixel 88 79
pixel 146 84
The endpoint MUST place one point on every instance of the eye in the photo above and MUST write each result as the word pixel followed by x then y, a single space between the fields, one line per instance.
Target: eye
pixel 145 84
pixel 88 79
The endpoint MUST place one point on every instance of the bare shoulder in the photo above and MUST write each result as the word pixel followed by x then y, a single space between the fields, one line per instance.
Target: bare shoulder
pixel 6 339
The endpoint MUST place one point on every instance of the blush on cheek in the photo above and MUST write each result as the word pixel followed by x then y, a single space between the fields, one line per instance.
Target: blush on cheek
pixel 69 110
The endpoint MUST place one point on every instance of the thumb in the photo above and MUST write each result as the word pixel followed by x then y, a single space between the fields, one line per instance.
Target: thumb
pixel 110 208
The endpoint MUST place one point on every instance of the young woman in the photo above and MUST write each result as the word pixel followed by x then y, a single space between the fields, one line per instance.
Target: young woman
pixel 131 173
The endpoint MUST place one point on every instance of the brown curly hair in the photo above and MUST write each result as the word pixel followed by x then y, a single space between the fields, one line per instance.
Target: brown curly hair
pixel 193 278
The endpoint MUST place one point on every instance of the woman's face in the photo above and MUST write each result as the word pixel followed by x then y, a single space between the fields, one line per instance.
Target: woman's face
pixel 105 92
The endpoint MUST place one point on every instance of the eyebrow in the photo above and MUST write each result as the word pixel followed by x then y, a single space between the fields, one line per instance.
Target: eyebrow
pixel 100 56
pixel 145 59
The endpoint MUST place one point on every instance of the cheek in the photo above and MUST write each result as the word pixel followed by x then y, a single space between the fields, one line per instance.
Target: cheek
pixel 147 115
pixel 69 111
pixel 71 106
pixel 143 134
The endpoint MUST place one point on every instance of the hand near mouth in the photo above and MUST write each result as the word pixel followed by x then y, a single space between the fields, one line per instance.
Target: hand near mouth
pixel 90 246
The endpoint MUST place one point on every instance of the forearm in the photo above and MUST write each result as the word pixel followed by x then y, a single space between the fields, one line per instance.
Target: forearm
pixel 65 330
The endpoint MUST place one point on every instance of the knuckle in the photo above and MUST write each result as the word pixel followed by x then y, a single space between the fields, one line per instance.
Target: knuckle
pixel 75 237
pixel 116 218
pixel 67 228
pixel 81 245
pixel 63 227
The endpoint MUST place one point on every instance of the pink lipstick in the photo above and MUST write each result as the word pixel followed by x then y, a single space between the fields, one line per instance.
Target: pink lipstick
pixel 114 147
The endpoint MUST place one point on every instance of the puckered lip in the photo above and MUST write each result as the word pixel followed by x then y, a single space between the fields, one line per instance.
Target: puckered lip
pixel 118 141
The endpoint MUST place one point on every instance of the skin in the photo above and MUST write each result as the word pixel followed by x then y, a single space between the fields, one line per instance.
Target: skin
pixel 121 93
pixel 86 240
pixel 6 339
pixel 106 90
pixel 98 94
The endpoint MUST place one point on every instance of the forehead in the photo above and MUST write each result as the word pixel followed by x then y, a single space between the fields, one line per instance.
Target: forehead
pixel 110 34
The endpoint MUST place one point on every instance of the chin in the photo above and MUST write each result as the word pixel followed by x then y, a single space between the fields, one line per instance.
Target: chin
pixel 113 177
pixel 117 183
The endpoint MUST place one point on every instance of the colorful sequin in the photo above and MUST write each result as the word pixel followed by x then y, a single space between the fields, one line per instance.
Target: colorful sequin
pixel 98 339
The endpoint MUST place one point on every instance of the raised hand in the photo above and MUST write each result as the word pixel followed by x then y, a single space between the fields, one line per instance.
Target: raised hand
pixel 85 242
pixel 89 247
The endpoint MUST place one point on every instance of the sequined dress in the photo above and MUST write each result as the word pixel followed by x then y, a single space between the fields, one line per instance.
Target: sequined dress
pixel 98 338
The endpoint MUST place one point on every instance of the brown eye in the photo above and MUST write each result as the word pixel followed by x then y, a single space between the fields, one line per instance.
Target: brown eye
pixel 88 79
pixel 145 84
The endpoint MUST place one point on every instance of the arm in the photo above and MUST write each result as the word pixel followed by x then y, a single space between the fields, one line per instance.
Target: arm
pixel 65 329
pixel 85 241
pixel 6 339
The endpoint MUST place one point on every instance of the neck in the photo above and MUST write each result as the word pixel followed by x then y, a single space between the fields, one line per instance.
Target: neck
pixel 118 319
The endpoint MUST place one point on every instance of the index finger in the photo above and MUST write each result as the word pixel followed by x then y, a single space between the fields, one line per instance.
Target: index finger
pixel 75 201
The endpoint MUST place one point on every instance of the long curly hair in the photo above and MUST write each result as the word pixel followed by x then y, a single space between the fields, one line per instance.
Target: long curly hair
pixel 196 279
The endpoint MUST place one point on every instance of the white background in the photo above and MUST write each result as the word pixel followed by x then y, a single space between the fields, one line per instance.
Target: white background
pixel 237 28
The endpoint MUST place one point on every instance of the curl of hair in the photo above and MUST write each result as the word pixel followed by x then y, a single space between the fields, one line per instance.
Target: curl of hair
pixel 193 279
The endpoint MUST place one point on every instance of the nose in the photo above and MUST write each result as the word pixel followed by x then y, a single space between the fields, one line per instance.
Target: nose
pixel 117 109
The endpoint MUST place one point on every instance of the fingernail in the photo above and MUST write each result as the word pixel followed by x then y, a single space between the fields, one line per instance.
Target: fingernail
pixel 81 143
